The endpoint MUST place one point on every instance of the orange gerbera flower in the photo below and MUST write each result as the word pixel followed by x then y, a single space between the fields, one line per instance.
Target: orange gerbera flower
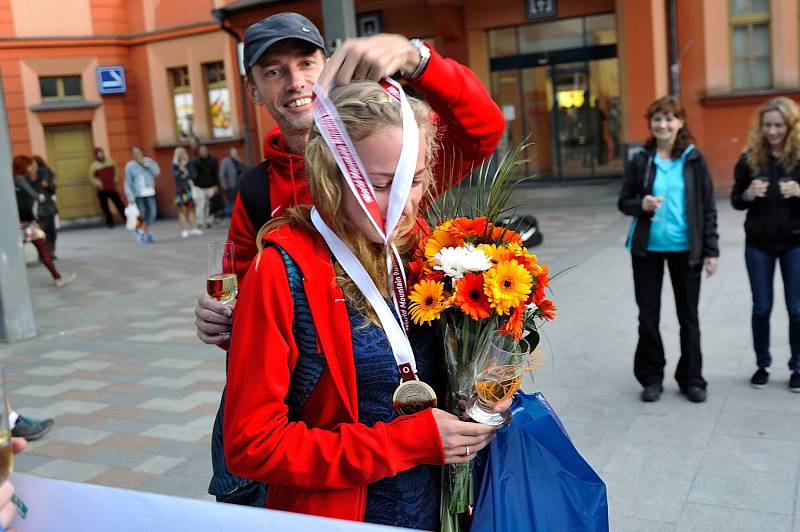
pixel 469 296
pixel 464 227
pixel 416 270
pixel 513 327
pixel 502 234
pixel 547 309
pixel 427 301
pixel 507 285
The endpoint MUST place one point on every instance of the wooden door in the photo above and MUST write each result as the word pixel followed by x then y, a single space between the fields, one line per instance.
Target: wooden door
pixel 69 154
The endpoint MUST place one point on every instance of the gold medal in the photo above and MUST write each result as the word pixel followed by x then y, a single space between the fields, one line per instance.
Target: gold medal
pixel 413 396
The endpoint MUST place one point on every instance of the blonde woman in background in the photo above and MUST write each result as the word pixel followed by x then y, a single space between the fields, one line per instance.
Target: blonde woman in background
pixel 766 185
pixel 183 193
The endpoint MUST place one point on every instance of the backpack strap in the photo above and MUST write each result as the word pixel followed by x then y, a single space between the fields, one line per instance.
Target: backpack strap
pixel 310 362
pixel 254 192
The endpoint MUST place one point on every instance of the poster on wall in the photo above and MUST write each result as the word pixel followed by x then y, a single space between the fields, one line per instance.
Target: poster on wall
pixel 219 108
pixel 537 9
pixel 184 114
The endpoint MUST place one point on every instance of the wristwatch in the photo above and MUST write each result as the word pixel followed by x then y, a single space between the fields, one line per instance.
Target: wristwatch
pixel 424 56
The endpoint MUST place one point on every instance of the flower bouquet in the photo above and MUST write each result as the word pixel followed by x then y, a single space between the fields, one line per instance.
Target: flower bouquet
pixel 472 277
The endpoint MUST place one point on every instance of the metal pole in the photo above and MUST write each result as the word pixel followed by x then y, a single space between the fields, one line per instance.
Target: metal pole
pixel 674 59
pixel 16 310
pixel 339 18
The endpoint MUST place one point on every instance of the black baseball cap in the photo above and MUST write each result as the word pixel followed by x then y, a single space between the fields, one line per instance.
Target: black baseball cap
pixel 264 33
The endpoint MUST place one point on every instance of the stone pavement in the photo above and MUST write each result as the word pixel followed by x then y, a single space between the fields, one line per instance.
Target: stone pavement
pixel 133 391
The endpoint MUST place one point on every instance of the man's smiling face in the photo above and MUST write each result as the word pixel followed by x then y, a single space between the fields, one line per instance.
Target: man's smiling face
pixel 282 81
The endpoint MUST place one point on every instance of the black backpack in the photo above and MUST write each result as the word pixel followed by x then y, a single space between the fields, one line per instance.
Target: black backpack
pixel 254 193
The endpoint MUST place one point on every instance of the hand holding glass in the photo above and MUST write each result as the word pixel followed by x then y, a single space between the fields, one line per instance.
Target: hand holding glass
pixel 498 376
pixel 221 282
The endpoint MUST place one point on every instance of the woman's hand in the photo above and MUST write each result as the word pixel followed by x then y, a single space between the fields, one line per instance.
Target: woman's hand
pixel 757 189
pixel 461 440
pixel 651 203
pixel 711 264
pixel 789 188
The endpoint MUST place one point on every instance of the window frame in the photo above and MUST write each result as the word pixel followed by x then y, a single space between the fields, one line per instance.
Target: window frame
pixel 209 86
pixel 184 88
pixel 60 94
pixel 749 21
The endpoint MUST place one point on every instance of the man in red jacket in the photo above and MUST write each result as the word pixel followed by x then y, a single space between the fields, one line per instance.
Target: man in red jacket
pixel 284 58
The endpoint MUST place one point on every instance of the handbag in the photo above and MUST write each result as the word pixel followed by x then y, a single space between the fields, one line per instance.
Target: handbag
pixel 31 231
pixel 531 477
pixel 131 214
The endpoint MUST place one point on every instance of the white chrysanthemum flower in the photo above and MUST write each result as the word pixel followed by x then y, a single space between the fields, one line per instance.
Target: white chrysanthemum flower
pixel 455 262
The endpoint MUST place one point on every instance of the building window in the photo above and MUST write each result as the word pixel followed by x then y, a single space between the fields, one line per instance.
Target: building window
pixel 219 100
pixel 182 103
pixel 61 88
pixel 750 44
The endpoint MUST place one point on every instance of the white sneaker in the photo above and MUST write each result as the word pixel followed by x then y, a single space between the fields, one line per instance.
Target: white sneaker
pixel 65 279
pixel 185 233
pixel 196 232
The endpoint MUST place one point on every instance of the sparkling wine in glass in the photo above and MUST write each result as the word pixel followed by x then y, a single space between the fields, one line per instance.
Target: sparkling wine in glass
pixel 498 376
pixel 6 453
pixel 221 282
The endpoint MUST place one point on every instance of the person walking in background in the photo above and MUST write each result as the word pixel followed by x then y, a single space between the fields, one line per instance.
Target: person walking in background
pixel 24 168
pixel 230 171
pixel 45 185
pixel 205 184
pixel 669 193
pixel 766 185
pixel 140 186
pixel 183 193
pixel 103 175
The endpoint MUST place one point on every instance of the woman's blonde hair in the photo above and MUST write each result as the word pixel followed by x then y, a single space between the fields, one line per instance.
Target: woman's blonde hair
pixel 364 108
pixel 758 149
pixel 180 150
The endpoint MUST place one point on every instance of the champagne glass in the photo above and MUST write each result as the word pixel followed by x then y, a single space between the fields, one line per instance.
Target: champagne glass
pixel 498 376
pixel 6 453
pixel 221 281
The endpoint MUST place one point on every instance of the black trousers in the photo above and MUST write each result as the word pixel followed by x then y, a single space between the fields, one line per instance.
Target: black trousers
pixel 104 196
pixel 48 223
pixel 648 276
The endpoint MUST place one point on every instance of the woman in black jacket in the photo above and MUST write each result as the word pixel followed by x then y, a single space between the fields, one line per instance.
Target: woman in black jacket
pixel 766 185
pixel 28 199
pixel 669 193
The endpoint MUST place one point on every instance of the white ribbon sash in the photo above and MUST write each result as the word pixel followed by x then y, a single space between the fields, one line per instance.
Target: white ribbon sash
pixel 338 140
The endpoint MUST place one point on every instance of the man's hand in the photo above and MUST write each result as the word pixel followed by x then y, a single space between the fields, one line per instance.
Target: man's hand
pixel 374 58
pixel 213 320
pixel 7 508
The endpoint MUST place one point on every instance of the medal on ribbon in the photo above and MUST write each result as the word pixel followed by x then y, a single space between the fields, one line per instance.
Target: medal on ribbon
pixel 411 395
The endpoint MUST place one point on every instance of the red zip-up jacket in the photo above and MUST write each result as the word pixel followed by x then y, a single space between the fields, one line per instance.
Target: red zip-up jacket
pixel 322 463
pixel 470 126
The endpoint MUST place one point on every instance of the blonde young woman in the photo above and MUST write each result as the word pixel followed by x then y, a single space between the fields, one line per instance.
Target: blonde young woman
pixel 766 185
pixel 339 449
pixel 183 193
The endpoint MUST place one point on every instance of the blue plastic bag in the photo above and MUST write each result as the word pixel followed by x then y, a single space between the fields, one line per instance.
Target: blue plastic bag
pixel 531 477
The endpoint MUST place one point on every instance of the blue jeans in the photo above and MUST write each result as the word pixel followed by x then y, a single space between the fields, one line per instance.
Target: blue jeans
pixel 761 270
pixel 147 209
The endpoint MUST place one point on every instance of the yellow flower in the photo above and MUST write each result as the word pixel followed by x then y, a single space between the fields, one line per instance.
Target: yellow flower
pixel 508 285
pixel 427 301
pixel 440 238
pixel 497 253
